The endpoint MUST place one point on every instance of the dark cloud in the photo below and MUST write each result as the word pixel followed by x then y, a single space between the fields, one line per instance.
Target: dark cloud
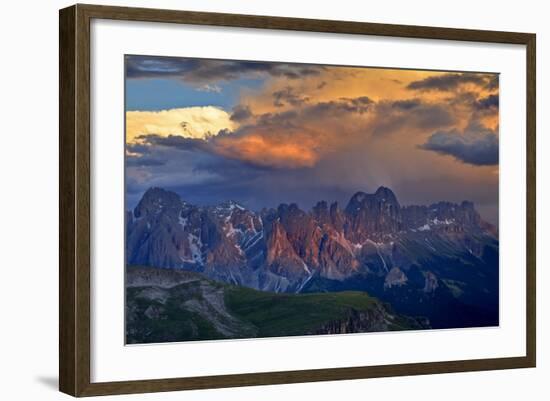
pixel 173 141
pixel 139 148
pixel 412 114
pixel 407 104
pixel 448 81
pixel 321 85
pixel 428 116
pixel 288 96
pixel 302 115
pixel 205 70
pixel 460 99
pixel 477 147
pixel 240 113
pixel 296 71
pixel 183 159
pixel 489 102
pixel 143 161
pixel 358 105
pixel 284 119
pixel 193 170
pixel 361 101
pixel 493 83
pixel 479 106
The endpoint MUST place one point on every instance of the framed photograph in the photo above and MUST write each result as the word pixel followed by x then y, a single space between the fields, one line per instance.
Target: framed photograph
pixel 250 200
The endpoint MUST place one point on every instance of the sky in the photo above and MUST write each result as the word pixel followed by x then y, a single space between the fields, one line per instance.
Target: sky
pixel 263 133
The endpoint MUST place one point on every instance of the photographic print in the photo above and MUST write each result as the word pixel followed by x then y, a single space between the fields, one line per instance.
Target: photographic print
pixel 272 199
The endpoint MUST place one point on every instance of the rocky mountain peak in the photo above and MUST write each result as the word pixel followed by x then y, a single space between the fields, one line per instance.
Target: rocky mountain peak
pixel 336 216
pixel 356 201
pixel 372 215
pixel 320 212
pixel 361 199
pixel 386 195
pixel 228 209
pixel 156 201
pixel 445 216
pixel 231 204
pixel 321 206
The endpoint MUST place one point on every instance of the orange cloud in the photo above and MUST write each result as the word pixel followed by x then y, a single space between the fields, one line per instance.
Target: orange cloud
pixel 262 151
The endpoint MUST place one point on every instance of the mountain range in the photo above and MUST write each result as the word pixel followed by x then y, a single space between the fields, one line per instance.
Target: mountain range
pixel 437 261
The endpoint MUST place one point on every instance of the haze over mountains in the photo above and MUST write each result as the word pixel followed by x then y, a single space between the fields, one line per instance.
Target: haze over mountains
pixel 437 261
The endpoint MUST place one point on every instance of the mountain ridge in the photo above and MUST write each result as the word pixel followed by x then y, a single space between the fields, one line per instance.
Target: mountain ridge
pixel 393 251
pixel 164 305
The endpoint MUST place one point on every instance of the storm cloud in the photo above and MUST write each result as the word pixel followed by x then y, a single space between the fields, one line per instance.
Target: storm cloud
pixel 449 81
pixel 477 148
pixel 209 71
pixel 288 96
pixel 489 102
pixel 240 113
pixel 410 114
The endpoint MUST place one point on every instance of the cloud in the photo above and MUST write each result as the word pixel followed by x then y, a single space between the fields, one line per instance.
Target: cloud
pixel 150 150
pixel 283 120
pixel 181 158
pixel 143 161
pixel 321 85
pixel 173 141
pixel 241 113
pixel 261 150
pixel 411 115
pixel 202 71
pixel 297 137
pixel 302 135
pixel 476 147
pixel 267 151
pixel 449 81
pixel 189 122
pixel 359 105
pixel 210 88
pixel 489 102
pixel 406 104
pixel 288 96
pixel 288 139
pixel 493 82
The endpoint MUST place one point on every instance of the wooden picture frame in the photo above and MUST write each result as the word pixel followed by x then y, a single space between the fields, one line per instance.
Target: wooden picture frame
pixel 74 199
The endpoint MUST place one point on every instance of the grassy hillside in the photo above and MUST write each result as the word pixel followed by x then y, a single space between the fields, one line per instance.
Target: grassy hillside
pixel 186 306
pixel 293 314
